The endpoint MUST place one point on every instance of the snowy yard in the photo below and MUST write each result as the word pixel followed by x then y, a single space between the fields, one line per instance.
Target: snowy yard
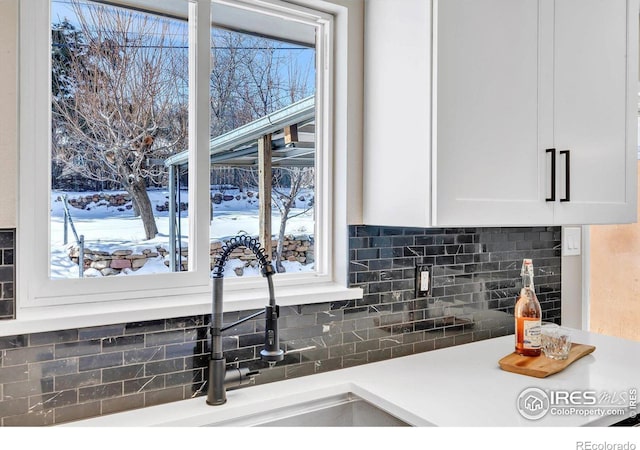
pixel 110 228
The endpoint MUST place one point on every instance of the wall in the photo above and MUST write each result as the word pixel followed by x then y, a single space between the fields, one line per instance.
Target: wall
pixel 574 310
pixel 61 376
pixel 614 279
pixel 8 112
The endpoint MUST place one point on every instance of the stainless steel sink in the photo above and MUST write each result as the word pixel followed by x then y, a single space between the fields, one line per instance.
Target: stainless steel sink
pixel 343 410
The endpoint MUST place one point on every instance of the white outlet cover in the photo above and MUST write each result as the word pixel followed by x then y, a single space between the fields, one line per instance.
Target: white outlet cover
pixel 424 281
pixel 571 241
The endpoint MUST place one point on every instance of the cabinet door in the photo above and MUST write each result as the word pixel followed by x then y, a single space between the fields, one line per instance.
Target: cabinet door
pixel 491 167
pixel 595 79
pixel 397 113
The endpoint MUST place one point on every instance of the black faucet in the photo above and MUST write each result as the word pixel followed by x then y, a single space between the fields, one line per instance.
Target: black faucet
pixel 220 378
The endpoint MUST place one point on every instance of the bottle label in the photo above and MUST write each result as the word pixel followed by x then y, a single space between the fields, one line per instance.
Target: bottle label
pixel 528 332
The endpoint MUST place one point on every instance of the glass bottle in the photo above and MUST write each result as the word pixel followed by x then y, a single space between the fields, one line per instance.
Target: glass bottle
pixel 528 314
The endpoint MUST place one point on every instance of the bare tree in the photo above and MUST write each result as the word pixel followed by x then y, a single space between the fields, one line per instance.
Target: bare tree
pixel 252 77
pixel 288 183
pixel 298 86
pixel 265 82
pixel 126 111
pixel 300 179
pixel 227 111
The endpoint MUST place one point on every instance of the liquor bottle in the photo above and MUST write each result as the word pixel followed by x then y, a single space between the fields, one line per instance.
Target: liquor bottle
pixel 528 314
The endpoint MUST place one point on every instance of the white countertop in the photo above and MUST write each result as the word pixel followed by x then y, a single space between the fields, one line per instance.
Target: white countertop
pixel 456 386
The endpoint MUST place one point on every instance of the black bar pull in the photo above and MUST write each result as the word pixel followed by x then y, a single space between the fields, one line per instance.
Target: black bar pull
pixel 567 175
pixel 553 175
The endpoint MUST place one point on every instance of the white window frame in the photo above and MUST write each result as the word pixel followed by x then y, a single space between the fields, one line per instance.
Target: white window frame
pixel 44 304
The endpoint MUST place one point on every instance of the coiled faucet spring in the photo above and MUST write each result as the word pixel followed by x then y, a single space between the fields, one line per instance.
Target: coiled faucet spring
pixel 235 242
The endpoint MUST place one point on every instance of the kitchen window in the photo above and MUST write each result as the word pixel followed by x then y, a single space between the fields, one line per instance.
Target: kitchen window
pixel 178 149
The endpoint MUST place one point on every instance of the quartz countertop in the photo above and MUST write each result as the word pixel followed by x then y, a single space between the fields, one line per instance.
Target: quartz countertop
pixel 455 386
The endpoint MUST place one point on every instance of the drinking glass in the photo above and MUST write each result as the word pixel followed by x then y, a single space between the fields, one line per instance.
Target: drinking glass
pixel 555 341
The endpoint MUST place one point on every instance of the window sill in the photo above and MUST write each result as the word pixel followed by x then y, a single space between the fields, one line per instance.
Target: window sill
pixel 52 318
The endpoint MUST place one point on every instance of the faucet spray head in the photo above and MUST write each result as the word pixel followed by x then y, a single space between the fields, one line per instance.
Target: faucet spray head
pixel 271 352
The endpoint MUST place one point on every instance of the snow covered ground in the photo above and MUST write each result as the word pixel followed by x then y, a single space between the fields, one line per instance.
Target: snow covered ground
pixel 109 228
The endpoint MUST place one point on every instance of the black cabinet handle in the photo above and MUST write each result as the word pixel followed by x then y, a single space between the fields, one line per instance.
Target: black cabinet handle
pixel 553 175
pixel 567 175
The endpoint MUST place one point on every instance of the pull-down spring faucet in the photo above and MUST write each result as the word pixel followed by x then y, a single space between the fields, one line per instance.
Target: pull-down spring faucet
pixel 219 377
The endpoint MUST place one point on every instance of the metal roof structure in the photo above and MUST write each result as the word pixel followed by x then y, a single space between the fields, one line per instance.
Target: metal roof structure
pixel 239 147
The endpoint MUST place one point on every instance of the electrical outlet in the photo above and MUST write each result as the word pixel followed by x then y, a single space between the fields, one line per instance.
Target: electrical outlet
pixel 423 280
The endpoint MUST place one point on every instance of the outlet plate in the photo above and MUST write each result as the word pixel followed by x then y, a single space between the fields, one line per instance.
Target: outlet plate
pixel 423 280
pixel 571 241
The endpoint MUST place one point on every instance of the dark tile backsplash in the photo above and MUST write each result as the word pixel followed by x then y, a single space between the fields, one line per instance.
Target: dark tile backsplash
pixel 55 377
pixel 7 274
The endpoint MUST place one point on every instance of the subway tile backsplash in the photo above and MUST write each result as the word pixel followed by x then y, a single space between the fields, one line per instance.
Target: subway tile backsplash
pixel 7 274
pixel 56 377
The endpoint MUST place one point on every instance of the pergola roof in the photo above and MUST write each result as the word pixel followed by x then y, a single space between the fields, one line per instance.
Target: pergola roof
pixel 239 147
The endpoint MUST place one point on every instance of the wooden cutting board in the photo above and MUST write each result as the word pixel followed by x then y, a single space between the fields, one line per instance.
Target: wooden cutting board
pixel 541 366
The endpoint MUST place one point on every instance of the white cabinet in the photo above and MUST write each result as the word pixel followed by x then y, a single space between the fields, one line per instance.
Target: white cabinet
pixel 489 162
pixel 595 108
pixel 466 139
pixel 397 112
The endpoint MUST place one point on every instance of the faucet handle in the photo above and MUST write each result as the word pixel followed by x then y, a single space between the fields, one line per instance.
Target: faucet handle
pixel 237 377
